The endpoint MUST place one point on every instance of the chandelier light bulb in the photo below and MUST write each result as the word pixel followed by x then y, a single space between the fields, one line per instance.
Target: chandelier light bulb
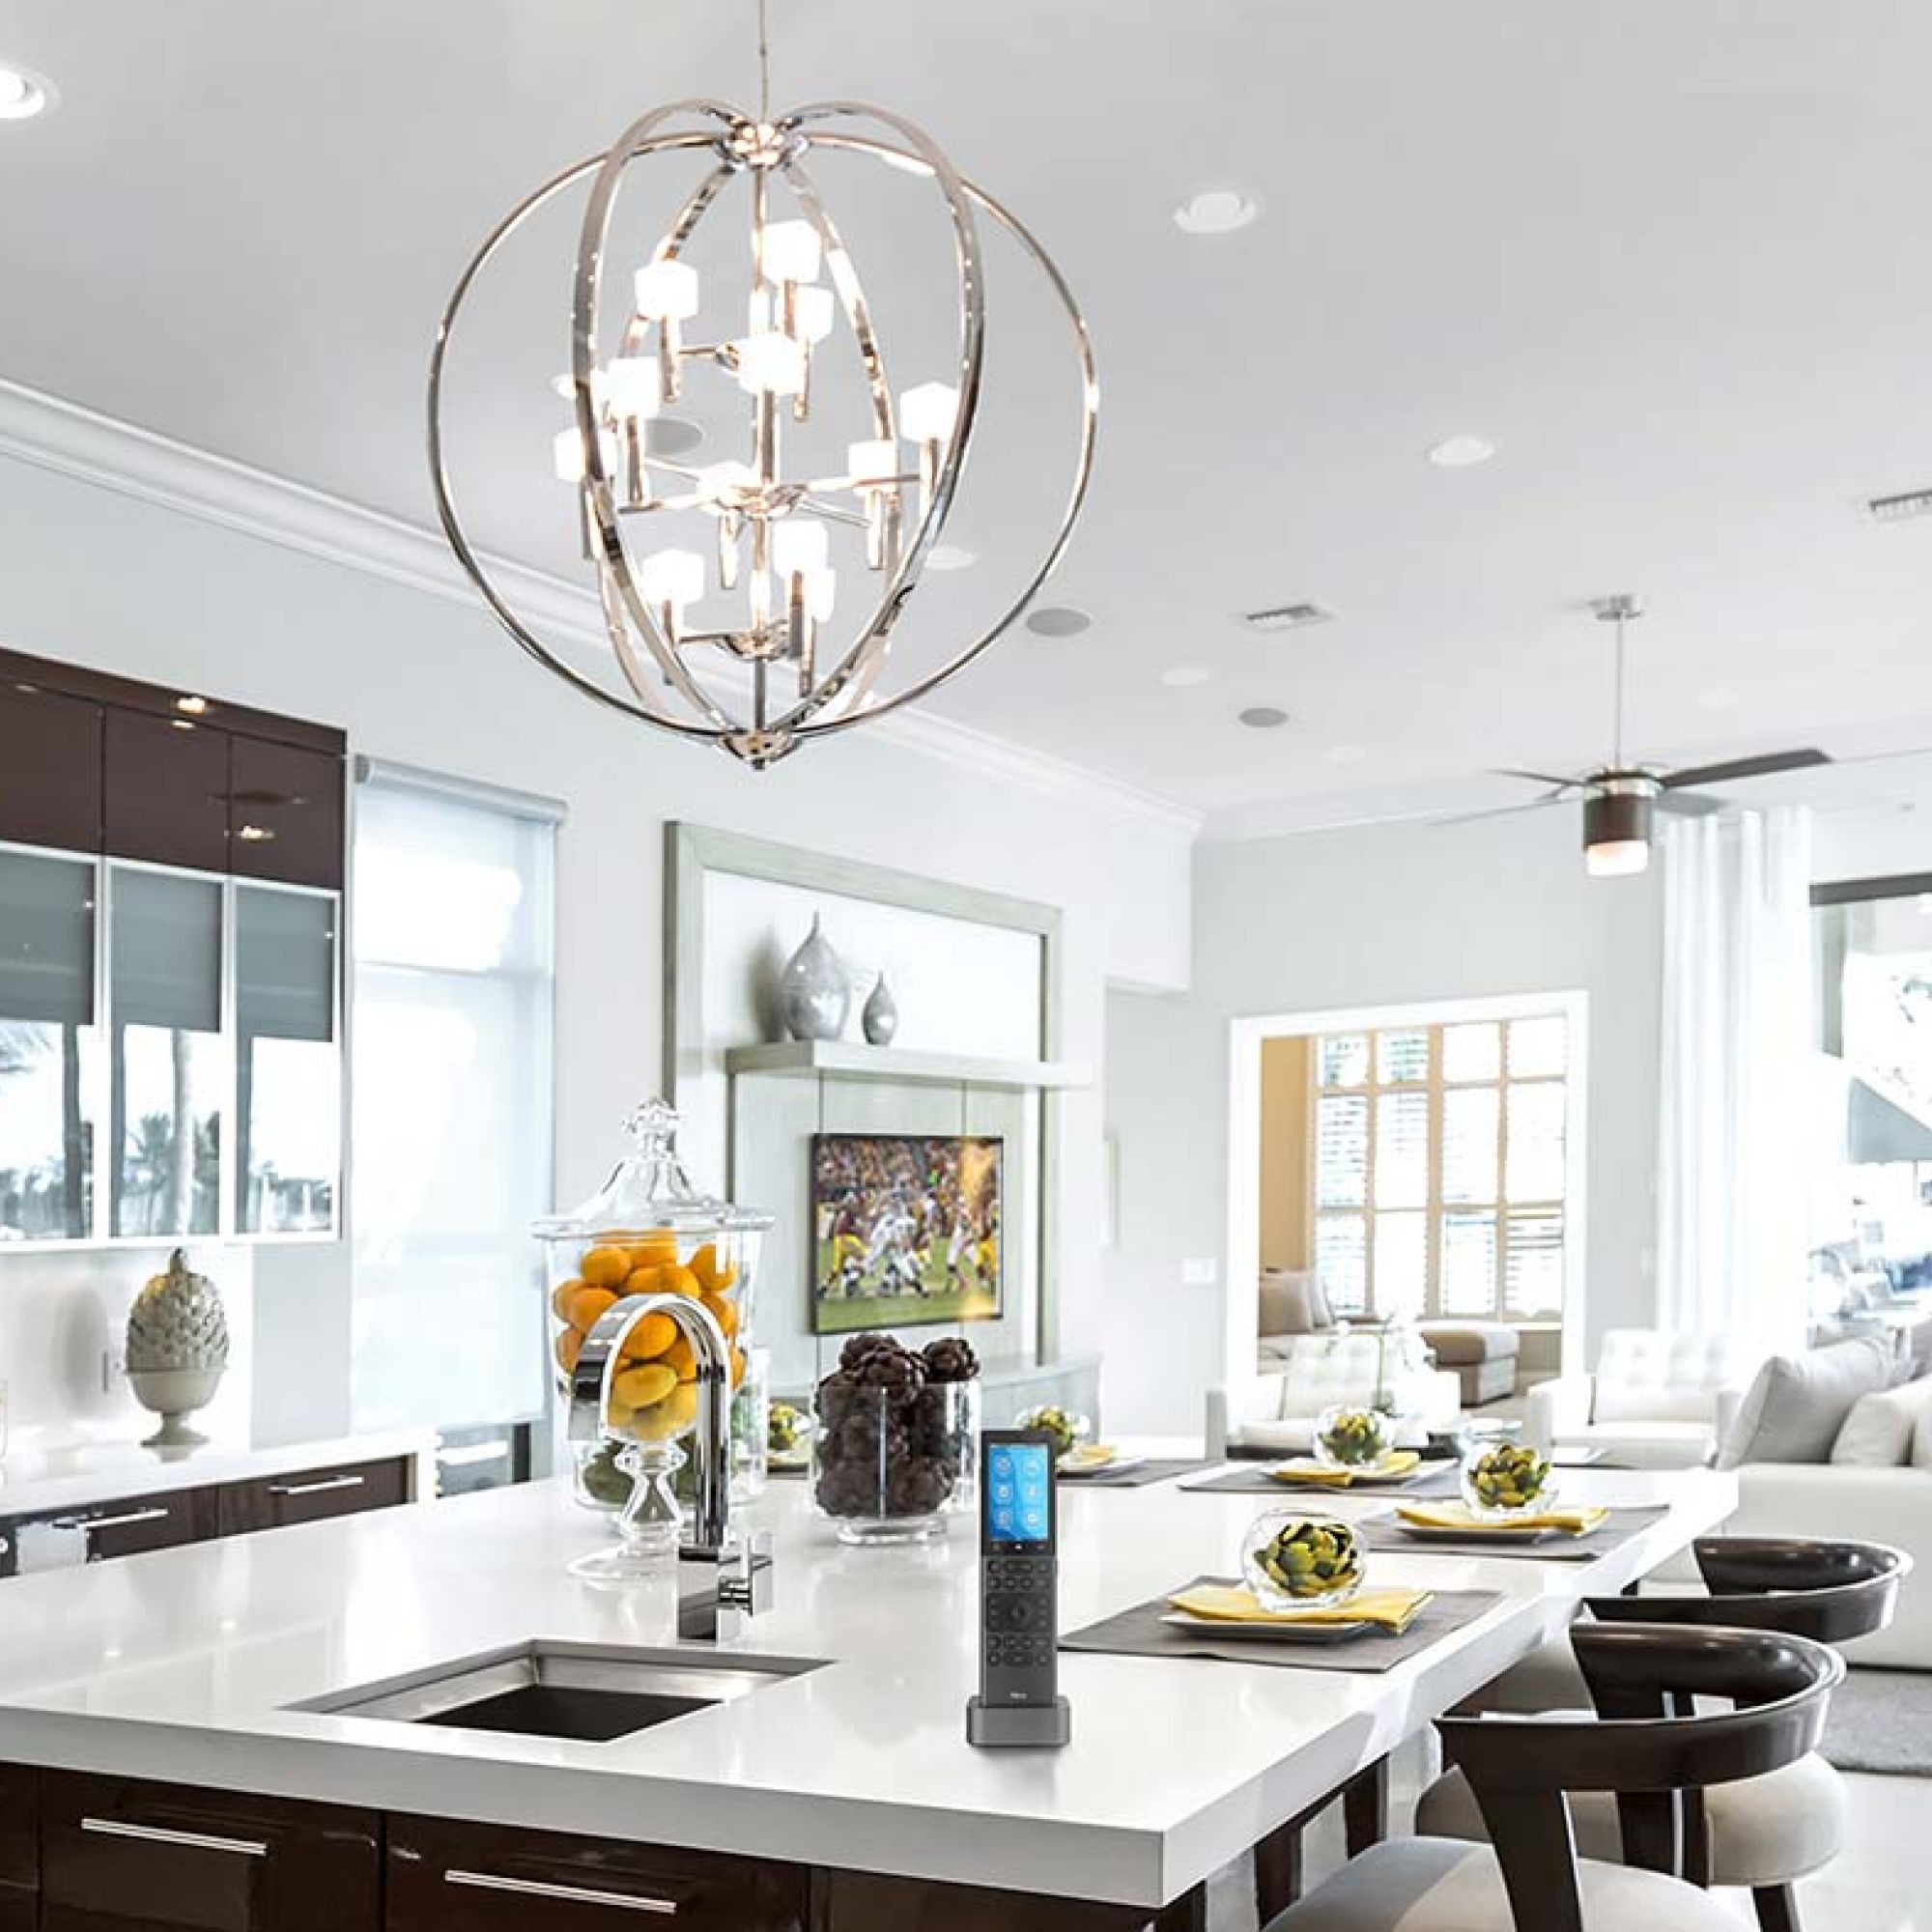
pixel 875 462
pixel 632 387
pixel 667 291
pixel 928 413
pixel 671 577
pixel 771 362
pixel 792 251
pixel 813 312
pixel 820 591
pixel 799 543
pixel 567 454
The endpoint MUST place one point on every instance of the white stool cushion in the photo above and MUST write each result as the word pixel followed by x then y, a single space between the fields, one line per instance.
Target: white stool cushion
pixel 1439 1884
pixel 1764 1831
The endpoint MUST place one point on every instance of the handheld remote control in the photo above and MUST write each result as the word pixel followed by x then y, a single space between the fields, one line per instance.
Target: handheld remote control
pixel 1019 1564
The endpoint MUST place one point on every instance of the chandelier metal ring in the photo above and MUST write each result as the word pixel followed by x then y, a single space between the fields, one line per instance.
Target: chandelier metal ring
pixel 846 693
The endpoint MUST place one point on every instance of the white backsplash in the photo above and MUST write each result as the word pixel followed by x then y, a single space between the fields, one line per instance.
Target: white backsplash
pixel 62 1330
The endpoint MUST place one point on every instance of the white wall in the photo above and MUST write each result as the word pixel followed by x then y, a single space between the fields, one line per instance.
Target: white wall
pixel 1370 916
pixel 107 580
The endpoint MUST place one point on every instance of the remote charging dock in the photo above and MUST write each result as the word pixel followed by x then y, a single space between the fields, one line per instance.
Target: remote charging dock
pixel 997 1726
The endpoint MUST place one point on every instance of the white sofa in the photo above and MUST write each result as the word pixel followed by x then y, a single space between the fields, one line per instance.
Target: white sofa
pixel 1275 1411
pixel 1658 1400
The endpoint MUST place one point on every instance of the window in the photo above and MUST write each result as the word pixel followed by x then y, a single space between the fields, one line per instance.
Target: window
pixel 1439 1178
pixel 452 1105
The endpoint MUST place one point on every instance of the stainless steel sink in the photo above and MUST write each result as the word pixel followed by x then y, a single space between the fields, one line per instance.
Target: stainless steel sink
pixel 564 1690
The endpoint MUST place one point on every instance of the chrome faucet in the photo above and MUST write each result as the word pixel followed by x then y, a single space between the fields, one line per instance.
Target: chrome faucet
pixel 734 1575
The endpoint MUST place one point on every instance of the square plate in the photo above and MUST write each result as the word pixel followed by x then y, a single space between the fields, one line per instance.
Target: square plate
pixel 1288 1631
pixel 1489 1532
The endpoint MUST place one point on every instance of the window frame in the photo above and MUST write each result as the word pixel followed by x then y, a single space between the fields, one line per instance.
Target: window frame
pixel 1435 1087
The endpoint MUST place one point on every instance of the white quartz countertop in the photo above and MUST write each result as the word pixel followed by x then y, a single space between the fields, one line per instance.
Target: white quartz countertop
pixel 182 1665
pixel 43 1471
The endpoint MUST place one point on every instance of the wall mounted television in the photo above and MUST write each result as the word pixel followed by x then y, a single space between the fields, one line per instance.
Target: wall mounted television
pixel 905 1231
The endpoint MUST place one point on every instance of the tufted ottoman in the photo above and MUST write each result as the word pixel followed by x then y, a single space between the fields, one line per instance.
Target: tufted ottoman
pixel 1483 1355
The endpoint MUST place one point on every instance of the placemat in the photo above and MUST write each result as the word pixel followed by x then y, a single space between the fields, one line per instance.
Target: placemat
pixel 1379 1532
pixel 1140 1633
pixel 1155 1469
pixel 1428 1481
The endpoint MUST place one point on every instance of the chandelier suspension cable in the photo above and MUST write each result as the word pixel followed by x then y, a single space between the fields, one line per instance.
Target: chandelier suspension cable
pixel 764 66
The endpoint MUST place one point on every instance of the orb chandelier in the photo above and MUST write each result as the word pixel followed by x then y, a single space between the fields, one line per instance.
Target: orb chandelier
pixel 723 586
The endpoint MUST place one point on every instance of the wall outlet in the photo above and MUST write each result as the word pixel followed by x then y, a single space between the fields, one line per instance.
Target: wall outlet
pixel 1200 1273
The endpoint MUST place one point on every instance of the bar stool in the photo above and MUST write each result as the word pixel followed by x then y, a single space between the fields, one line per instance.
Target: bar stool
pixel 1652 1765
pixel 1761 1833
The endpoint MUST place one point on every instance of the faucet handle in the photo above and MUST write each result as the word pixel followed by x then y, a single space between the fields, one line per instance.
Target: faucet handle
pixel 737 1586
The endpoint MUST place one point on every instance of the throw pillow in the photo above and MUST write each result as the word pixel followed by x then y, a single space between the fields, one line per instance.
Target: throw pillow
pixel 1322 1310
pixel 1794 1409
pixel 1879 1432
pixel 1287 1305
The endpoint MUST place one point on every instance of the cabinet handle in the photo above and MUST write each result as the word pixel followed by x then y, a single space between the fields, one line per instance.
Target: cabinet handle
pixel 126 1521
pixel 159 1834
pixel 318 1487
pixel 575 1895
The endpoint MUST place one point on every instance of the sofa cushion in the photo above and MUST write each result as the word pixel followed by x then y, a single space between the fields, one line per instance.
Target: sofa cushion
pixel 1878 1434
pixel 1292 1302
pixel 1653 1374
pixel 1794 1409
pixel 1466 1345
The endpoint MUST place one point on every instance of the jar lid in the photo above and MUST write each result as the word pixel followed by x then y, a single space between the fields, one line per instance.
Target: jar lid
pixel 650 1188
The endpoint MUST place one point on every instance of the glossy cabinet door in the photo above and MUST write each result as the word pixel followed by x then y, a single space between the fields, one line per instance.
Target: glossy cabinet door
pixel 273 1501
pixel 50 1046
pixel 50 765
pixel 450 1877
pixel 121 1854
pixel 285 812
pixel 169 1064
pixel 19 1849
pixel 287 1063
pixel 166 791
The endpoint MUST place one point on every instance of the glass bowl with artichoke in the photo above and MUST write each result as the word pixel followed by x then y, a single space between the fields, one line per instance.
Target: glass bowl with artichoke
pixel 1348 1436
pixel 1068 1429
pixel 1293 1561
pixel 1504 1480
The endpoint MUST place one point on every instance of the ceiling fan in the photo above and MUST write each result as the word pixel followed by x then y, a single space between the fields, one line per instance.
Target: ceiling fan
pixel 1620 799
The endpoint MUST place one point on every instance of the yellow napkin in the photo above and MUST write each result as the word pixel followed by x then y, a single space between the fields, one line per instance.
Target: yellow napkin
pixel 1306 1470
pixel 1229 1603
pixel 1453 1516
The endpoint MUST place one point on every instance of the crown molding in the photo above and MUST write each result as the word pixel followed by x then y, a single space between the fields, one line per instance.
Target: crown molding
pixel 50 433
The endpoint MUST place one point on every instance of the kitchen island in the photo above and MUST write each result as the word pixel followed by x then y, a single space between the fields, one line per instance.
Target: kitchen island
pixel 186 1667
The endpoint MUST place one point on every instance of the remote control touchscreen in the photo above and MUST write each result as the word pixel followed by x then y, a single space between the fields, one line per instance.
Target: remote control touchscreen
pixel 1018 1492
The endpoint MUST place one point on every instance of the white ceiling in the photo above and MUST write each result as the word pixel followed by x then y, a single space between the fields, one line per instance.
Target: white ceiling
pixel 1674 259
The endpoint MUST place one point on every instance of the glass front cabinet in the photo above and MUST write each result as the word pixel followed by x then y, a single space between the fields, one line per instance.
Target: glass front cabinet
pixel 170 967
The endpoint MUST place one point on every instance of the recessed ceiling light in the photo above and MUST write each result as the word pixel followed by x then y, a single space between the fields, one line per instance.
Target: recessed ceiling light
pixel 951 557
pixel 1216 211
pixel 1263 717
pixel 192 704
pixel 23 94
pixel 671 436
pixel 1461 452
pixel 1058 620
pixel 1344 754
pixel 1178 677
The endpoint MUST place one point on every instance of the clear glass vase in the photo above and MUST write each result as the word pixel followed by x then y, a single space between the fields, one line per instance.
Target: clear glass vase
pixel 1295 1561
pixel 890 1464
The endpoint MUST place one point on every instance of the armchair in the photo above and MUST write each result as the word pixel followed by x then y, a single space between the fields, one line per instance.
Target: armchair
pixel 1274 1412
pixel 1657 1401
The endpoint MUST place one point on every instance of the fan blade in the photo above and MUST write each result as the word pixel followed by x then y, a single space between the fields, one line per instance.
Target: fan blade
pixel 1687 803
pixel 1761 766
pixel 1500 811
pixel 1537 778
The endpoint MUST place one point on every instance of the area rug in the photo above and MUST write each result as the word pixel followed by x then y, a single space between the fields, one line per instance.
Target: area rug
pixel 1881 1721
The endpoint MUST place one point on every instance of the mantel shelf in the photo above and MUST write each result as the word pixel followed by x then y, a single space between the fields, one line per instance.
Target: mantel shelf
pixel 851 1060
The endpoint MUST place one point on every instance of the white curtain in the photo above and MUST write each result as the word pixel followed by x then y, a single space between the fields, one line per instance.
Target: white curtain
pixel 1734 1175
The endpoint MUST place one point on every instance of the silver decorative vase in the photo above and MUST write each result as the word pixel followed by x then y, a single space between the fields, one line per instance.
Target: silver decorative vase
pixel 881 1016
pixel 814 994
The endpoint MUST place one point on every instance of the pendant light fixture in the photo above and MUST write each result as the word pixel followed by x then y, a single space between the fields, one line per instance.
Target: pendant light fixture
pixel 721 587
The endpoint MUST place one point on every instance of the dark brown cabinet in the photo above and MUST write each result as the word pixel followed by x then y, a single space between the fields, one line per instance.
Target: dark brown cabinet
pixel 50 765
pixel 274 1501
pixel 284 813
pixel 449 1877
pixel 125 1529
pixel 19 1850
pixel 124 1854
pixel 166 791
